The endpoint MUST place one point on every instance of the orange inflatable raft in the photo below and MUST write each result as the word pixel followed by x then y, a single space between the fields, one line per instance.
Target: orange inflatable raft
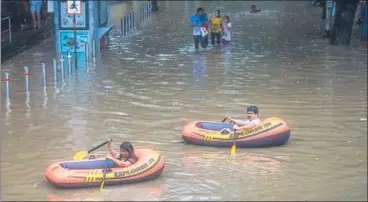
pixel 89 172
pixel 271 132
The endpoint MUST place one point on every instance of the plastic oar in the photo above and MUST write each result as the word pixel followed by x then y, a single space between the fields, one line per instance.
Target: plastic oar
pixel 233 148
pixel 83 154
pixel 104 175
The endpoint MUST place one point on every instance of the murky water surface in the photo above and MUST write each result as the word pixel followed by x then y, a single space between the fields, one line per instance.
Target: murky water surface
pixel 147 85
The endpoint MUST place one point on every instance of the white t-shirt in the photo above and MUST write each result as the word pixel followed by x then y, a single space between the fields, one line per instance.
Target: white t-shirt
pixel 226 33
pixel 247 122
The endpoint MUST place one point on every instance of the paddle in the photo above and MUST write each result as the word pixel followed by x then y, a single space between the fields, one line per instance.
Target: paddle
pixel 104 175
pixel 83 154
pixel 233 148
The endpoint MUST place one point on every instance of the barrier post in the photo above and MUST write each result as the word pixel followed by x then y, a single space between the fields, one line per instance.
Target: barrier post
pixel 26 78
pixel 55 71
pixel 129 22
pixel 125 25
pixel 94 50
pixel 7 92
pixel 69 56
pixel 122 25
pixel 86 49
pixel 134 21
pixel 141 12
pixel 144 11
pixel 43 76
pixel 44 92
pixel 62 68
pixel 149 7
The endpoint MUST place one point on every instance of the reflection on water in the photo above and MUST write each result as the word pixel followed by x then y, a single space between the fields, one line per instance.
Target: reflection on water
pixel 199 80
pixel 138 192
pixel 144 88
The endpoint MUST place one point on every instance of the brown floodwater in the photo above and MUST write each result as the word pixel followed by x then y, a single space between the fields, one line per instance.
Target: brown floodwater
pixel 146 85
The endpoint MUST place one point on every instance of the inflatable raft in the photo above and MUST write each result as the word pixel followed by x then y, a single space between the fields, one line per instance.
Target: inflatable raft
pixel 88 173
pixel 271 132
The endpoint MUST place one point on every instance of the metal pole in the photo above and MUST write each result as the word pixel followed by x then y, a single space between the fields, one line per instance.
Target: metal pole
pixel 149 7
pixel 10 35
pixel 55 72
pixel 86 52
pixel 26 82
pixel 44 85
pixel 75 41
pixel 146 10
pixel 142 11
pixel 7 92
pixel 131 20
pixel 62 68
pixel 26 78
pixel 134 21
pixel 93 49
pixel 124 24
pixel 43 75
pixel 128 23
pixel 69 56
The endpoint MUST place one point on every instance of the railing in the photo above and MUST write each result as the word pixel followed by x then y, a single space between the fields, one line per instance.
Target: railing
pixel 9 28
pixel 129 22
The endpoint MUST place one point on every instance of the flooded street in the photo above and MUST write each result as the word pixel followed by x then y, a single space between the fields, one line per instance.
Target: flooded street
pixel 147 85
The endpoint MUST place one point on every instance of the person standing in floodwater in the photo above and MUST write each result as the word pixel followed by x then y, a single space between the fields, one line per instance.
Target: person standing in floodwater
pixel 216 28
pixel 196 23
pixel 204 20
pixel 226 30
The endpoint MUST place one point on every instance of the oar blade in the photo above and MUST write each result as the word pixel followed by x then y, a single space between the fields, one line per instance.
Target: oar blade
pixel 102 185
pixel 233 150
pixel 80 155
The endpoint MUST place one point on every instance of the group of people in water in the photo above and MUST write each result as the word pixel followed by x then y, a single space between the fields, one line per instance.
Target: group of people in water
pixel 126 156
pixel 217 26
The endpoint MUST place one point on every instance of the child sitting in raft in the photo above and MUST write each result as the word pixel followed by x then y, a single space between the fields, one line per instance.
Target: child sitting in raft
pixel 240 125
pixel 253 9
pixel 125 157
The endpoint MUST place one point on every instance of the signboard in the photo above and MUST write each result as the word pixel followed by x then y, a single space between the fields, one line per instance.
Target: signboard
pixel 74 7
pixel 67 41
pixel 67 20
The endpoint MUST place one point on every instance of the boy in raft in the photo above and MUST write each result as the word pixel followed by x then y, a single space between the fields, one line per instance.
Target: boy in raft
pixel 241 125
pixel 125 157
